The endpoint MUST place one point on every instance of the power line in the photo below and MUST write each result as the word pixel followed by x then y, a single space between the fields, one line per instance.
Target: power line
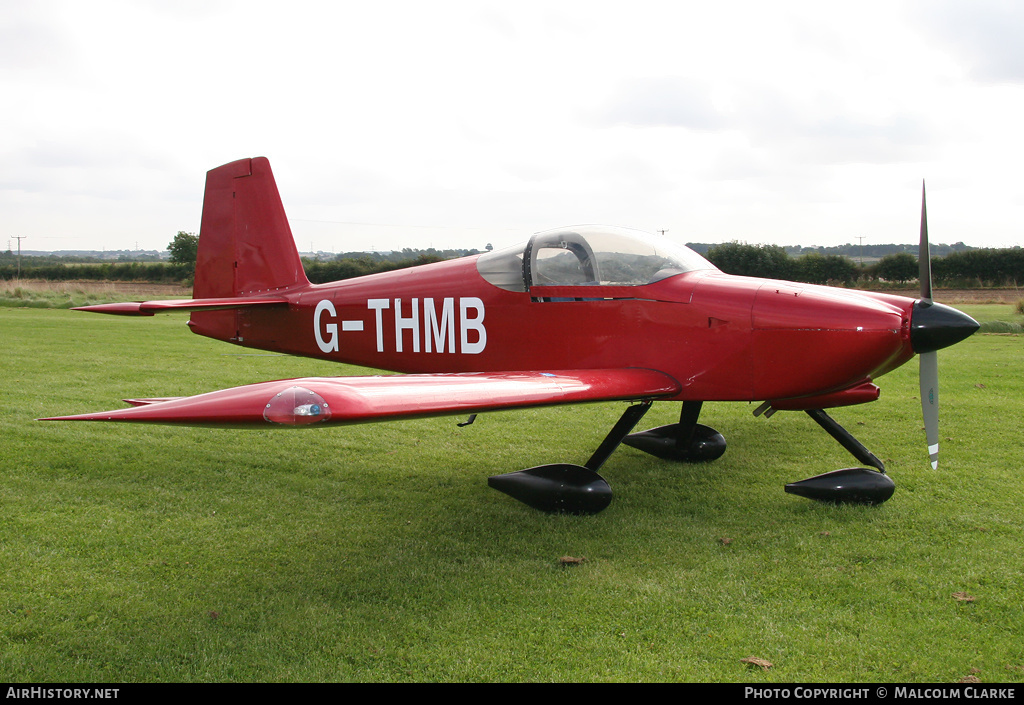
pixel 19 238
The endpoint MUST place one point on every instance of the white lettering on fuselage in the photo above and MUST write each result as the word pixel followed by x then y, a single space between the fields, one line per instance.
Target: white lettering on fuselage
pixel 418 324
pixel 331 343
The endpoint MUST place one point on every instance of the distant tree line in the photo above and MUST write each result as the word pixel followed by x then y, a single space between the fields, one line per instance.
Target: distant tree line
pixel 64 258
pixel 772 262
pixel 872 252
pixel 356 264
pixel 967 268
pixel 988 267
pixel 406 254
pixel 347 268
pixel 970 267
pixel 165 272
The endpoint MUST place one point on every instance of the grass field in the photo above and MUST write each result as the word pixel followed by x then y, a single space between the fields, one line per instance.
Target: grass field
pixel 378 553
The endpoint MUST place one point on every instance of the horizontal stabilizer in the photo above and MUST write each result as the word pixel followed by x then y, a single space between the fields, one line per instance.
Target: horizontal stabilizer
pixel 350 400
pixel 148 308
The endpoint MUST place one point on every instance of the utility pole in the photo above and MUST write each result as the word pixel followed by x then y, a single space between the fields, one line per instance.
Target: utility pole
pixel 861 238
pixel 19 238
pixel 663 232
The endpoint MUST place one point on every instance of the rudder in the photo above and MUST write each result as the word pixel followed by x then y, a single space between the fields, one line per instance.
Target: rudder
pixel 245 243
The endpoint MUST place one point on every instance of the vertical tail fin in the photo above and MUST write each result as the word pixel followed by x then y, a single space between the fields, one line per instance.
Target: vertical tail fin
pixel 245 244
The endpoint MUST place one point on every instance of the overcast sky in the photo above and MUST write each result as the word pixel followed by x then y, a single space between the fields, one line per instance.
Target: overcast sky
pixel 396 124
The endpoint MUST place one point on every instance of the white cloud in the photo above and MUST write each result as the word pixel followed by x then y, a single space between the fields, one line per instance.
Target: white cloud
pixel 788 122
pixel 985 33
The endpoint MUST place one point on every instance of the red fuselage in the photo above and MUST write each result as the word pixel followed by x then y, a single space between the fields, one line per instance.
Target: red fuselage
pixel 722 337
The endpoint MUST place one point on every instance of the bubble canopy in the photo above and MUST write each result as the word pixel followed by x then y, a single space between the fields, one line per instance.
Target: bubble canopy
pixel 588 256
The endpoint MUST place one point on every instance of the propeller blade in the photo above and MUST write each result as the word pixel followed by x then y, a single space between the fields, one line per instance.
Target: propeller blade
pixel 929 379
pixel 928 375
pixel 924 255
pixel 933 327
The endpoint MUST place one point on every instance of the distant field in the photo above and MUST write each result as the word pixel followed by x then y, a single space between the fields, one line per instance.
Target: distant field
pixel 378 553
pixel 45 294
pixel 103 287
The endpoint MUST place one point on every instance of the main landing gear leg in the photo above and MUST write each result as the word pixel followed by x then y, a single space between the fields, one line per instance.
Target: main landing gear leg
pixel 851 485
pixel 570 489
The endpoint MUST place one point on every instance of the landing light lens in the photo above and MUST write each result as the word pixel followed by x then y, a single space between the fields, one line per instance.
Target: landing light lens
pixel 296 406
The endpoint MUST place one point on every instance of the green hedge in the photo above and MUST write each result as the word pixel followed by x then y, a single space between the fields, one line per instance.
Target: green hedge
pixel 107 271
pixel 973 268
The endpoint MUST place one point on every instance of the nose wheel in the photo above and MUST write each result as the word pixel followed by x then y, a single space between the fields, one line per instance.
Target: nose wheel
pixel 850 485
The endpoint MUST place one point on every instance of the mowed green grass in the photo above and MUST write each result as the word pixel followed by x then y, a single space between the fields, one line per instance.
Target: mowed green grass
pixel 138 553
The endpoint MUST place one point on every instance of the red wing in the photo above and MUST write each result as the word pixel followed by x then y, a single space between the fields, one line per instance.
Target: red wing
pixel 348 400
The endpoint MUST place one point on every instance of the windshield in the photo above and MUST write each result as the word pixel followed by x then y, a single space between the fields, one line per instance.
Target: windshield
pixel 588 256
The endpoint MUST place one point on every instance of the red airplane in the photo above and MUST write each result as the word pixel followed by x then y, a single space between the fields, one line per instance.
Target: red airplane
pixel 582 314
